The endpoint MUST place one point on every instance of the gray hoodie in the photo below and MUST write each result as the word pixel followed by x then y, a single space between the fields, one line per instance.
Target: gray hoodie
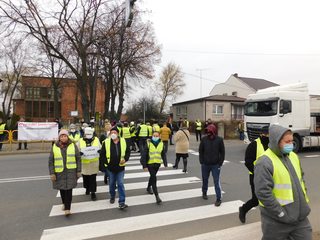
pixel 293 212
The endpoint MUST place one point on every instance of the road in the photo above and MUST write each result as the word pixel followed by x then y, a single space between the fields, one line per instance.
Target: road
pixel 30 208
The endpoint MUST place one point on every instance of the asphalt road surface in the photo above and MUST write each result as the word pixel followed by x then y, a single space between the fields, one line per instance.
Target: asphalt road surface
pixel 31 209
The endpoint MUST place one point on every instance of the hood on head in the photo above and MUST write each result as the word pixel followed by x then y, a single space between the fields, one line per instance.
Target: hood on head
pixel 275 134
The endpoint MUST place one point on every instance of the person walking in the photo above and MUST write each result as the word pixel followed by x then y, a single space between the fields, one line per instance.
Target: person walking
pixel 198 129
pixel 211 156
pixel 165 133
pixel 241 130
pixel 113 156
pixel 142 134
pixel 281 190
pixel 64 168
pixel 74 135
pixel 254 150
pixel 133 136
pixel 89 147
pixel 151 161
pixel 3 132
pixel 181 138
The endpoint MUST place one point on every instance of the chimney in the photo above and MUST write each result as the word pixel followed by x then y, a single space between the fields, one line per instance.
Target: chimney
pixel 235 74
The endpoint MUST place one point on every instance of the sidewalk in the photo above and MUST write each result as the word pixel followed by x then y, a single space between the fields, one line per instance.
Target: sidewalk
pixel 12 149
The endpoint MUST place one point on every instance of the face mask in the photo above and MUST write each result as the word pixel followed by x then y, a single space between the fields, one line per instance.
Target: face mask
pixel 89 136
pixel 72 130
pixel 155 139
pixel 113 136
pixel 287 148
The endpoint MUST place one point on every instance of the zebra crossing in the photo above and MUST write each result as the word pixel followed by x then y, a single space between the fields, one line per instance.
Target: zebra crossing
pixel 182 187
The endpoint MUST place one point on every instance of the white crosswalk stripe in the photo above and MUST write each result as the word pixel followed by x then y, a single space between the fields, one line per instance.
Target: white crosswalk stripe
pixel 190 189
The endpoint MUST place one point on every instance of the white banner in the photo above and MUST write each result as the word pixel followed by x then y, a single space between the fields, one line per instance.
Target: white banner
pixel 35 131
pixel 90 152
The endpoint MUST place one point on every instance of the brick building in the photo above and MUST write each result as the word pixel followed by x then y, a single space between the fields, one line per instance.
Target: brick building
pixel 37 104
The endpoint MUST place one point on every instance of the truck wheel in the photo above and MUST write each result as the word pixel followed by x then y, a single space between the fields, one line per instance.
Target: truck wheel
pixel 296 144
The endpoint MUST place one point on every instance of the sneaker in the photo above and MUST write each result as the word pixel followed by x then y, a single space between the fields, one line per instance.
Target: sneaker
pixel 242 215
pixel 67 213
pixel 93 196
pixel 112 200
pixel 123 206
pixel 158 200
pixel 204 196
pixel 217 203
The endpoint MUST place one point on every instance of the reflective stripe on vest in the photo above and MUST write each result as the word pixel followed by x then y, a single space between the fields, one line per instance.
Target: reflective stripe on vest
pixel 58 159
pixel 198 124
pixel 143 131
pixel 126 132
pixel 155 153
pixel 282 189
pixel 74 138
pixel 123 147
pixel 259 151
pixel 2 127
pixel 82 144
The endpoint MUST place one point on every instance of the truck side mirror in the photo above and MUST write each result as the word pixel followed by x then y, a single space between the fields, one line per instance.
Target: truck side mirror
pixel 285 107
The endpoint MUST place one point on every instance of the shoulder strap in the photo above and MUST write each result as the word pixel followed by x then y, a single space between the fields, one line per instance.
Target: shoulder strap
pixel 185 134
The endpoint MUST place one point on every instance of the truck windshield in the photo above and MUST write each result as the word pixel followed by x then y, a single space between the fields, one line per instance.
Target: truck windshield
pixel 265 108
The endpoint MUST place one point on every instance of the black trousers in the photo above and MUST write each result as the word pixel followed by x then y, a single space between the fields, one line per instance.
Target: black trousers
pixel 198 135
pixel 25 145
pixel 2 138
pixel 66 197
pixel 165 150
pixel 153 169
pixel 253 202
pixel 90 182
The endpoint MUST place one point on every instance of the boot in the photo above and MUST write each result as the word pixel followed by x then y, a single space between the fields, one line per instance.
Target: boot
pixel 149 190
pixel 158 200
pixel 176 163
pixel 87 191
pixel 185 165
pixel 93 196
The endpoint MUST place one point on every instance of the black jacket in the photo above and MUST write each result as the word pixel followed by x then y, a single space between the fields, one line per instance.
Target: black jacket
pixel 115 154
pixel 211 151
pixel 251 152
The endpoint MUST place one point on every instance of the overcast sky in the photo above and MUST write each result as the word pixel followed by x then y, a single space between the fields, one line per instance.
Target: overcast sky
pixel 277 40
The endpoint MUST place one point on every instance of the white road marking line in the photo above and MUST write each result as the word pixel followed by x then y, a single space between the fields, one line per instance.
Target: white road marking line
pixel 312 156
pixel 139 185
pixel 111 227
pixel 141 174
pixel 24 179
pixel 139 167
pixel 131 201
pixel 249 231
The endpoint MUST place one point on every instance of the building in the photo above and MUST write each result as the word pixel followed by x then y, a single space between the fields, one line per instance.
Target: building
pixel 37 104
pixel 226 100
pixel 217 107
pixel 240 86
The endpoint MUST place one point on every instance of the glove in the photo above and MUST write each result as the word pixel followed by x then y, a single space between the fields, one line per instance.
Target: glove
pixel 53 177
pixel 78 174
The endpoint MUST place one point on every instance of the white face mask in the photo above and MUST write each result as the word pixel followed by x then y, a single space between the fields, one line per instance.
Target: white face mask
pixel 114 136
pixel 89 136
pixel 72 130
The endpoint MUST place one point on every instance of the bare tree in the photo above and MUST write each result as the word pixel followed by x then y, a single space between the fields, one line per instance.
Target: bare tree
pixel 170 84
pixel 75 20
pixel 14 56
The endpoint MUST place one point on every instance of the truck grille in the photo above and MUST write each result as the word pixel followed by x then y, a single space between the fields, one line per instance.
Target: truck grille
pixel 254 130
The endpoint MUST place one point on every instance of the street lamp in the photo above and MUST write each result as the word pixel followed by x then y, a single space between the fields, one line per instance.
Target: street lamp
pixel 200 70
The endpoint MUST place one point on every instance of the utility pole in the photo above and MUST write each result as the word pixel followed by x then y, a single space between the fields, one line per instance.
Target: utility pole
pixel 200 70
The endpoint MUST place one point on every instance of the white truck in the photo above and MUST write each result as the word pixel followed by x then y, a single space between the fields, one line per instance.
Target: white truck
pixel 290 106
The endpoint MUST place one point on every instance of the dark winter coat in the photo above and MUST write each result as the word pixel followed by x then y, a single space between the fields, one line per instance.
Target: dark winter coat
pixel 211 151
pixel 68 178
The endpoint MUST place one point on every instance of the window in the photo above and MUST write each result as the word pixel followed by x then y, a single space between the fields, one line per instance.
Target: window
pixel 217 109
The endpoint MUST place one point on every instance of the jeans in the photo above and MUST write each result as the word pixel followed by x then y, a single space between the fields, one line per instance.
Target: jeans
pixel 215 170
pixel 113 179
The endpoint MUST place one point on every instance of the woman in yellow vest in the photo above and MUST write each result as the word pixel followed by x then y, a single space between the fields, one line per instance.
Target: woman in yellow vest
pixel 151 161
pixel 281 190
pixel 64 168
pixel 89 147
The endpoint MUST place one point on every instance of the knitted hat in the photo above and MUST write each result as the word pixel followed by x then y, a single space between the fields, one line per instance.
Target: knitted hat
pixel 63 132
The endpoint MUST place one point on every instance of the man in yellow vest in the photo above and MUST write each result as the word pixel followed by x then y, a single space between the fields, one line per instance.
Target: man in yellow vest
pixel 280 189
pixel 3 127
pixel 142 134
pixel 89 147
pixel 254 150
pixel 113 156
pixel 198 129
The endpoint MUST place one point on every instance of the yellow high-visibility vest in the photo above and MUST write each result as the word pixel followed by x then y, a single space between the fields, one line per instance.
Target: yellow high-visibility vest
pixel 143 131
pixel 259 151
pixel 282 189
pixel 155 153
pixel 75 138
pixel 123 146
pixel 198 126
pixel 133 131
pixel 126 132
pixel 2 127
pixel 156 128
pixel 58 159
pixel 82 144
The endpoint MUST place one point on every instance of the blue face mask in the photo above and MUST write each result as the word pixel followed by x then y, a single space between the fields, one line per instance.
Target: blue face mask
pixel 155 139
pixel 287 148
